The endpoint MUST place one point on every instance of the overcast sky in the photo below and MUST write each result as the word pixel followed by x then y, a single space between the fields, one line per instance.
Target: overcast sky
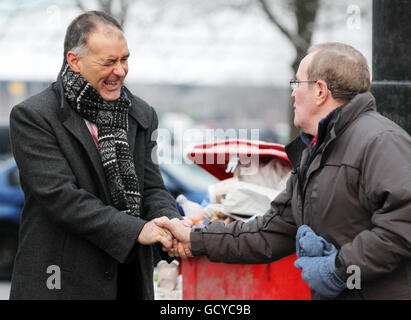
pixel 226 47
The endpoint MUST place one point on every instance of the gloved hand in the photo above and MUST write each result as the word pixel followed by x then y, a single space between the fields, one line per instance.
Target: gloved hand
pixel 319 274
pixel 308 244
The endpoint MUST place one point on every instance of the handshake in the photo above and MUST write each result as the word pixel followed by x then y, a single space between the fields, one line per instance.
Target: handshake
pixel 173 234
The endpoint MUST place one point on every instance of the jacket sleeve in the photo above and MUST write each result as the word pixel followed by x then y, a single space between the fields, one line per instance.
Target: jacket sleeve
pixel 48 180
pixel 157 200
pixel 386 192
pixel 264 239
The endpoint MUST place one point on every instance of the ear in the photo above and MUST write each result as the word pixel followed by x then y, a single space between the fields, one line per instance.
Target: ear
pixel 322 93
pixel 73 61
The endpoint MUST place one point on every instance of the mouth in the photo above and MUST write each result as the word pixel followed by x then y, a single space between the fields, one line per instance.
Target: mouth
pixel 112 85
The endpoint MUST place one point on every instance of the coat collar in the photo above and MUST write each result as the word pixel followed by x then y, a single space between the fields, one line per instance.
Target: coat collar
pixel 361 103
pixel 294 152
pixel 336 124
pixel 137 113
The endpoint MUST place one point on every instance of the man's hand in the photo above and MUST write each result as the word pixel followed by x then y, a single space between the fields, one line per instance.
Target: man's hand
pixel 180 229
pixel 180 250
pixel 316 258
pixel 308 244
pixel 152 233
pixel 319 274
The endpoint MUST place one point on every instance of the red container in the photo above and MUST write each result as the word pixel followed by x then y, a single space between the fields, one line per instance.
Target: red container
pixel 206 280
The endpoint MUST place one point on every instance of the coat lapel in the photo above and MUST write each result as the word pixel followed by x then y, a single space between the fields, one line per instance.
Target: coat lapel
pixel 136 118
pixel 78 128
pixel 131 135
pixel 76 125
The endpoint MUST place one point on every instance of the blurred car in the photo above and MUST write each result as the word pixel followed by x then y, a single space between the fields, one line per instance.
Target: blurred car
pixel 5 146
pixel 188 179
pixel 11 203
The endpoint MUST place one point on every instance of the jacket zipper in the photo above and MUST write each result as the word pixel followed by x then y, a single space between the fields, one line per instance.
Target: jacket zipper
pixel 303 188
pixel 300 191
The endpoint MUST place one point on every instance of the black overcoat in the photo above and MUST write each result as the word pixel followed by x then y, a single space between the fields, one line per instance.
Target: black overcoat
pixel 67 220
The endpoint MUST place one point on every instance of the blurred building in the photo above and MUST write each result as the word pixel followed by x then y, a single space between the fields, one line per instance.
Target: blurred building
pixel 213 106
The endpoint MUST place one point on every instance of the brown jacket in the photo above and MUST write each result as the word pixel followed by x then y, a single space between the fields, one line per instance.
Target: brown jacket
pixel 357 195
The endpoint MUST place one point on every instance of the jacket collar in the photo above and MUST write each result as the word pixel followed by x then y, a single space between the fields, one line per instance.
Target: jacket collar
pixel 361 103
pixel 332 126
pixel 294 152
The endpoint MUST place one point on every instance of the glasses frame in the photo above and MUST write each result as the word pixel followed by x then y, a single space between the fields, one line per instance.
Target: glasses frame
pixel 294 84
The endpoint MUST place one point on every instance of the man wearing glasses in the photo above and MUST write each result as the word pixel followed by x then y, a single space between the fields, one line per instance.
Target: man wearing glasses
pixel 347 205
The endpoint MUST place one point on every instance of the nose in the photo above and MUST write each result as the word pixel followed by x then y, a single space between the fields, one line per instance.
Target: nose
pixel 120 70
pixel 293 94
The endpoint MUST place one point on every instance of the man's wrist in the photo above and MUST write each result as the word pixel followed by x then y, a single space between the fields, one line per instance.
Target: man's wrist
pixel 335 278
pixel 340 269
pixel 197 242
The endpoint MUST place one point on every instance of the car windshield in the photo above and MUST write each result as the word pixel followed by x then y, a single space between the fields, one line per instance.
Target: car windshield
pixel 191 174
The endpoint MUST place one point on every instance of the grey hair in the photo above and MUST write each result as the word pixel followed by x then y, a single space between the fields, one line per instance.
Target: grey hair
pixel 81 50
pixel 80 28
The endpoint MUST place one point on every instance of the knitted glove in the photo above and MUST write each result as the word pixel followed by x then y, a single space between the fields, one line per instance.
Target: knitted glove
pixel 319 274
pixel 308 244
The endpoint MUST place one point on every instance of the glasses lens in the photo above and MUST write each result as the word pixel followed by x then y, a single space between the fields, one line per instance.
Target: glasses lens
pixel 294 84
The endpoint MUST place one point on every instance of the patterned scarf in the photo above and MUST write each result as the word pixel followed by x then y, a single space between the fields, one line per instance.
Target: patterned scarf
pixel 111 118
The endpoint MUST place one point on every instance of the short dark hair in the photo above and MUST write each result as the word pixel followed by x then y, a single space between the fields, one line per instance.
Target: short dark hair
pixel 80 28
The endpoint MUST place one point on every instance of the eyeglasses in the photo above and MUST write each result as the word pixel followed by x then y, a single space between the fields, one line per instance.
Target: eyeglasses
pixel 294 84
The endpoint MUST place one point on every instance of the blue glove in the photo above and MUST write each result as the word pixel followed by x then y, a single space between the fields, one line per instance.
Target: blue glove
pixel 319 274
pixel 308 244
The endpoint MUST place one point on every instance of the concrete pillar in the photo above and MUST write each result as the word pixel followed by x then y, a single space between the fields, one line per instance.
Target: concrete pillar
pixel 391 49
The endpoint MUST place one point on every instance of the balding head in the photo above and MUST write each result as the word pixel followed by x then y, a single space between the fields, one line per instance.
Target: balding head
pixel 342 67
pixel 79 30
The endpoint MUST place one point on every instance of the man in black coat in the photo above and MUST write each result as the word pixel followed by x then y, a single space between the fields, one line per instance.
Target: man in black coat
pixel 93 191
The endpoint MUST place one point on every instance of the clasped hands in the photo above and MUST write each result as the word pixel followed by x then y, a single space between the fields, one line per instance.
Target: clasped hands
pixel 316 259
pixel 173 234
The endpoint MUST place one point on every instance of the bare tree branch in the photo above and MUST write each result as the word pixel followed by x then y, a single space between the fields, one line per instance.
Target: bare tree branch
pixel 295 39
pixel 305 15
pixel 274 20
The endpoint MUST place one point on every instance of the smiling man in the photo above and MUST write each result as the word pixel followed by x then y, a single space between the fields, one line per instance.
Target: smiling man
pixel 92 192
pixel 102 61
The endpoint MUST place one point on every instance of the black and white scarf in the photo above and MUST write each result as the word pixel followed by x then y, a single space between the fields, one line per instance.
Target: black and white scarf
pixel 111 118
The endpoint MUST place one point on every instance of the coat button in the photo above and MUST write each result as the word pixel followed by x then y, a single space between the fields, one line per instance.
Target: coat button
pixel 109 275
